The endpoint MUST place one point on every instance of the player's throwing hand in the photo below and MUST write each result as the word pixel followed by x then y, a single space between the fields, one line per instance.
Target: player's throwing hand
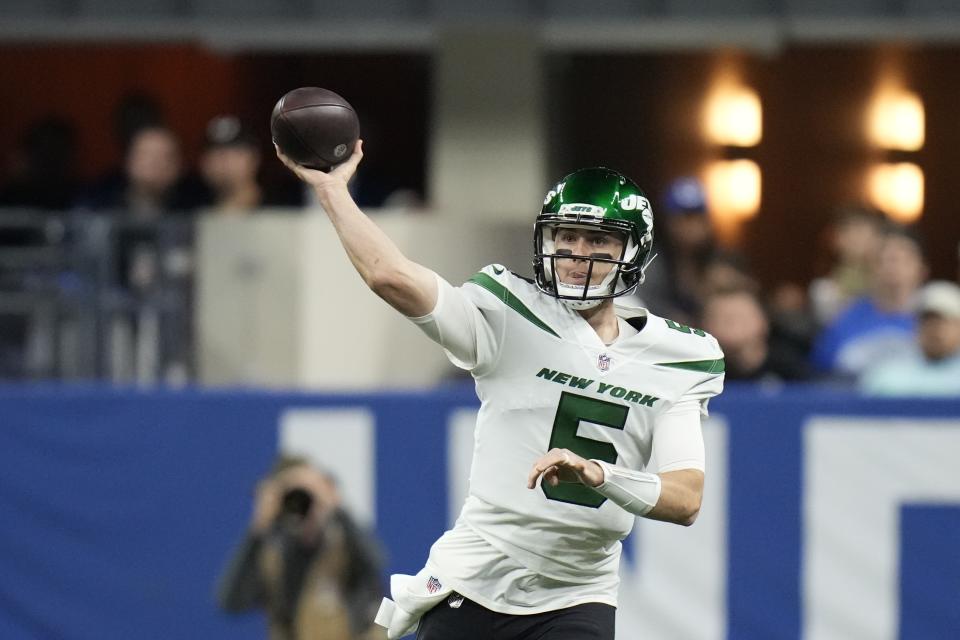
pixel 563 465
pixel 338 175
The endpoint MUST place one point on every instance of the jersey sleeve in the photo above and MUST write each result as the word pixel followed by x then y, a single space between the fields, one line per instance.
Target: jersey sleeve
pixel 710 381
pixel 677 431
pixel 467 322
pixel 678 438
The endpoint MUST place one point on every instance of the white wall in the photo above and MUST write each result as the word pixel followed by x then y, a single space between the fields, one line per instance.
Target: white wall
pixel 279 304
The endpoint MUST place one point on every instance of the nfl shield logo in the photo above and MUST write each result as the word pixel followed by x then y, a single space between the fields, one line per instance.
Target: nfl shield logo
pixel 603 362
pixel 433 585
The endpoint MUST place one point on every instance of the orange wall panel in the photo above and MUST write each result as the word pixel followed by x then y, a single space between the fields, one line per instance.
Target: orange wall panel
pixel 84 84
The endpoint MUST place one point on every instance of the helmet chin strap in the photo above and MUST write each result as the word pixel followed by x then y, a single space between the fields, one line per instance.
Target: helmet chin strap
pixel 580 305
pixel 574 290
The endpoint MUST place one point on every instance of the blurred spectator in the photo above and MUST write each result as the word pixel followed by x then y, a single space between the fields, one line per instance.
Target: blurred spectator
pixel 134 112
pixel 881 324
pixel 854 240
pixel 724 271
pixel 737 320
pixel 305 561
pixel 42 175
pixel 934 367
pixel 683 243
pixel 792 325
pixel 143 249
pixel 229 166
pixel 152 182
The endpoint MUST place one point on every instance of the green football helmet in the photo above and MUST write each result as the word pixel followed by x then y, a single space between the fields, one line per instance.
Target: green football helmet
pixel 597 199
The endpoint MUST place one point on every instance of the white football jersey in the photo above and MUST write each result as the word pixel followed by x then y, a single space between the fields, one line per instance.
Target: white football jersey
pixel 545 380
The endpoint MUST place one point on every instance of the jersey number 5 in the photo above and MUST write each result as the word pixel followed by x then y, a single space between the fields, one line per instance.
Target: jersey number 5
pixel 572 410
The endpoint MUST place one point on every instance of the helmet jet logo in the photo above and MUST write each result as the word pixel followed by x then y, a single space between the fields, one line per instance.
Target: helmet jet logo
pixel 633 202
pixel 581 208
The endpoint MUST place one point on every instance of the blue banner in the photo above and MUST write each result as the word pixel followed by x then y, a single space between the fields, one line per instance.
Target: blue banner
pixel 119 508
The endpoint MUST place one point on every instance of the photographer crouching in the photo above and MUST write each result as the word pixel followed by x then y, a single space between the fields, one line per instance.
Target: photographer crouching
pixel 305 561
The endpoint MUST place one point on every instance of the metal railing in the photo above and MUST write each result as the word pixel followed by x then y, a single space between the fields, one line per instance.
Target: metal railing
pixel 95 297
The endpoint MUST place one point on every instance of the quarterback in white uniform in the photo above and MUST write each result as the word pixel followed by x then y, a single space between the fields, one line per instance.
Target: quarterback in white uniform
pixel 577 397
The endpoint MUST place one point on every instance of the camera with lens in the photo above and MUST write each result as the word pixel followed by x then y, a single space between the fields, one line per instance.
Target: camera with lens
pixel 296 503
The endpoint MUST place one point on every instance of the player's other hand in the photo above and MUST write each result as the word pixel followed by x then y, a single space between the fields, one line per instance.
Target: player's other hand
pixel 339 175
pixel 563 465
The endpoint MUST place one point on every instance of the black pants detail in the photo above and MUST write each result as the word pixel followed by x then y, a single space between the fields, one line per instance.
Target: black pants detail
pixel 470 621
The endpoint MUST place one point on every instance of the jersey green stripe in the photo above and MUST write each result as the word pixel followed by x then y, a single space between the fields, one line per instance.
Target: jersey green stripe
pixel 706 366
pixel 510 300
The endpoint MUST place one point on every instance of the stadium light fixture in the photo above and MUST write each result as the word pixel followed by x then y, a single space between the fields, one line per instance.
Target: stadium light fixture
pixel 897 190
pixel 896 120
pixel 732 122
pixel 733 191
pixel 733 116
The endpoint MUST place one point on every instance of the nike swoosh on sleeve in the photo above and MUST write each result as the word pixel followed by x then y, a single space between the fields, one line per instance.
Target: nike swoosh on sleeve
pixel 704 366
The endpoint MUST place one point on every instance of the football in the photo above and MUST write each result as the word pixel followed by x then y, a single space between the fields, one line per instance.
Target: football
pixel 314 127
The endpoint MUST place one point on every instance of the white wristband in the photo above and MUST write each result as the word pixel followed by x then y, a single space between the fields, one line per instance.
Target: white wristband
pixel 635 491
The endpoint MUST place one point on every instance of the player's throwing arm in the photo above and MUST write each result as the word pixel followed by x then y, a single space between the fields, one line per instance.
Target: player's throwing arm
pixel 407 286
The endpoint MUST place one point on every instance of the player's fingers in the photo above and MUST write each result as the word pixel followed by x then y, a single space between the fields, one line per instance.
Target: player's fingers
pixel 533 475
pixel 539 467
pixel 283 158
pixel 554 458
pixel 300 171
pixel 562 457
pixel 349 166
pixel 551 476
pixel 290 164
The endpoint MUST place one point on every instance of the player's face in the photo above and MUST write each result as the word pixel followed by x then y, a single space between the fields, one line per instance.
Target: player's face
pixel 586 243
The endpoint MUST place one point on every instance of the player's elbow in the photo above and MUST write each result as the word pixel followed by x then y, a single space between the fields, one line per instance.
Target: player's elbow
pixel 380 282
pixel 389 284
pixel 681 496
pixel 689 518
pixel 690 509
pixel 399 290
